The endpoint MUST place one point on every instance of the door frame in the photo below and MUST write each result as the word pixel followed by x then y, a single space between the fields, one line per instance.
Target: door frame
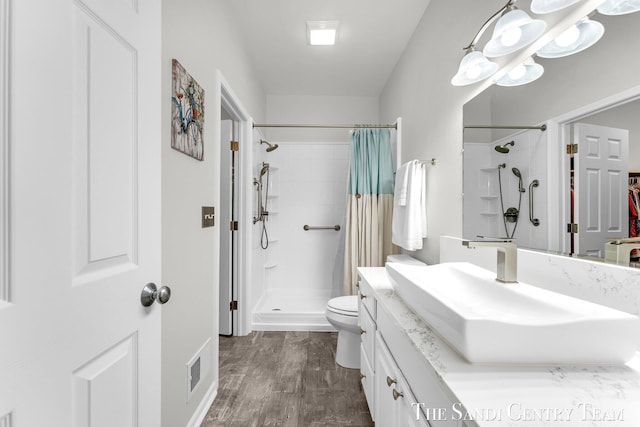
pixel 227 99
pixel 559 129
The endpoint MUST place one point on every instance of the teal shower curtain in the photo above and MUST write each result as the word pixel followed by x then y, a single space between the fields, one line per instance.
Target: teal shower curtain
pixel 369 204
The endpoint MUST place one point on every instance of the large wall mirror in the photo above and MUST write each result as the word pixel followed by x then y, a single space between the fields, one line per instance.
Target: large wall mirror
pixel 523 184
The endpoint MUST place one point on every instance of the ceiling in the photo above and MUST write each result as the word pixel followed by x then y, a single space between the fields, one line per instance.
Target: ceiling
pixel 372 36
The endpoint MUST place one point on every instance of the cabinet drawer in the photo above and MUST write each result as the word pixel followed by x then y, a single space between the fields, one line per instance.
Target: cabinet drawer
pixel 368 335
pixel 367 380
pixel 366 298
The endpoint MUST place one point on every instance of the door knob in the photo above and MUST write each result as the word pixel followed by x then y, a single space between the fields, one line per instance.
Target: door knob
pixel 150 293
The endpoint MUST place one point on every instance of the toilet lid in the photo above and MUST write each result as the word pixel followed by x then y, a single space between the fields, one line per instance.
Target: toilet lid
pixel 344 305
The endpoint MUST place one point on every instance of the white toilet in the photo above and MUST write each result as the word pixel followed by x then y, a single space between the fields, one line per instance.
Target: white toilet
pixel 342 314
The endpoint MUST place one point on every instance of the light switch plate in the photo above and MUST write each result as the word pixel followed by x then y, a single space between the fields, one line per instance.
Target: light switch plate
pixel 208 216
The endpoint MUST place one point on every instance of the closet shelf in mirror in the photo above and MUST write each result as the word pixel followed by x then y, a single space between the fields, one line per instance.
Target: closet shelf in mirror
pixel 489 197
pixel 491 169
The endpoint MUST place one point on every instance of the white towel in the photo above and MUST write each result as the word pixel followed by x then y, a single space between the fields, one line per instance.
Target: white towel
pixel 402 185
pixel 409 220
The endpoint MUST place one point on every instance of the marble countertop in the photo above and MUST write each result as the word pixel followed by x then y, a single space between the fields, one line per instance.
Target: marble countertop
pixel 517 395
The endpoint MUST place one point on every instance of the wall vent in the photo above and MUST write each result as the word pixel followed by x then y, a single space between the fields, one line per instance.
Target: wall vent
pixel 194 378
pixel 198 368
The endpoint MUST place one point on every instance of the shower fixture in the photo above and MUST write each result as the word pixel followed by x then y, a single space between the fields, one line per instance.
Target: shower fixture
pixel 512 214
pixel 270 147
pixel 504 147
pixel 517 173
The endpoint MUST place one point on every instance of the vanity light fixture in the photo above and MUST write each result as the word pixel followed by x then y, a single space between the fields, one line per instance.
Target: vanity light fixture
pixel 322 33
pixel 522 74
pixel 578 37
pixel 619 7
pixel 542 7
pixel 514 30
pixel 474 67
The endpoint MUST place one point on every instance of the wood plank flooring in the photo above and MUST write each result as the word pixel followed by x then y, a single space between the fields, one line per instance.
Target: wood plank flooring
pixel 286 379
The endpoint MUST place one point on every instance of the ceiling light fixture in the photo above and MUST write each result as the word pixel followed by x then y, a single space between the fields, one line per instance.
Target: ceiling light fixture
pixel 542 7
pixel 619 7
pixel 578 37
pixel 322 33
pixel 522 74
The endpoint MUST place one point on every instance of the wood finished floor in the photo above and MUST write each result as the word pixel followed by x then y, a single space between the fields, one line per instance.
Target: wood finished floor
pixel 286 379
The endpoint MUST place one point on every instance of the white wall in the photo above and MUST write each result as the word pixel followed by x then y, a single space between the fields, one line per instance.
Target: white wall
pixel 319 110
pixel 201 35
pixel 419 91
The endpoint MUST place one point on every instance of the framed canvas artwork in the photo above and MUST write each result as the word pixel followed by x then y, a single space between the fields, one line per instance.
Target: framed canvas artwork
pixel 187 113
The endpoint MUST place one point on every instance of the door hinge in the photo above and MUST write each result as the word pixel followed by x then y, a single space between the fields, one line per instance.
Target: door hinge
pixel 572 148
pixel 234 146
pixel 572 228
pixel 233 305
pixel 233 225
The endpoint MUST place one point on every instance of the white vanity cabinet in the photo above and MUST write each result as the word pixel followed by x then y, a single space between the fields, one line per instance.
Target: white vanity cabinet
pixel 395 403
pixel 395 377
pixel 366 318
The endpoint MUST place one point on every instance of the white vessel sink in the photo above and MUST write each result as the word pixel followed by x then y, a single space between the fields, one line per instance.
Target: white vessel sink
pixel 491 322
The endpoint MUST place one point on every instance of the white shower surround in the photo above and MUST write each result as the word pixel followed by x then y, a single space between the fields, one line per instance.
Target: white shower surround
pixel 302 270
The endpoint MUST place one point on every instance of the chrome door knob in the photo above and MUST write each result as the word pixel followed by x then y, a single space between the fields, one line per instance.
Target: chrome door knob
pixel 150 293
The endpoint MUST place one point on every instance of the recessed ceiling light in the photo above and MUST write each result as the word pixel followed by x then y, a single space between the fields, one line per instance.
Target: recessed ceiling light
pixel 322 33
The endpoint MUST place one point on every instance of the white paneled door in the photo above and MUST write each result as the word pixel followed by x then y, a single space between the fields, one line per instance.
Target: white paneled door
pixel 80 215
pixel 601 185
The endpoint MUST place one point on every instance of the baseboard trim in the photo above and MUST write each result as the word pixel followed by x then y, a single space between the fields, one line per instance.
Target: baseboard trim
pixel 204 406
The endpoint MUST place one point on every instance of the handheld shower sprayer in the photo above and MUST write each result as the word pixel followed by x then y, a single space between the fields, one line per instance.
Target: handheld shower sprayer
pixel 504 147
pixel 270 146
pixel 517 173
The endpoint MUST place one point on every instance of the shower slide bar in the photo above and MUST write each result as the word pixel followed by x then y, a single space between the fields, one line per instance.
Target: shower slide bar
pixel 325 126
pixel 330 227
pixel 540 128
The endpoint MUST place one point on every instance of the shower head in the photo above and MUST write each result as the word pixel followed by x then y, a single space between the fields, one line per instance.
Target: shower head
pixel 503 148
pixel 270 146
pixel 265 169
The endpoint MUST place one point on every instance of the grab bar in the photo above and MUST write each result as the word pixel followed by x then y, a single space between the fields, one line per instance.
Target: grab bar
pixel 535 221
pixel 329 227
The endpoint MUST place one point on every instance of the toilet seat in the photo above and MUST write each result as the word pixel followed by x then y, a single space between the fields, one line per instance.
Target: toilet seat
pixel 346 306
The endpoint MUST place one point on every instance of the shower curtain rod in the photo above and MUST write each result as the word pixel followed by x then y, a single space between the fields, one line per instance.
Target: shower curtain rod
pixel 541 127
pixel 356 126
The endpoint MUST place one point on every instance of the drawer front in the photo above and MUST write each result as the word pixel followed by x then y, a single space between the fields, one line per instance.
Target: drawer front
pixel 368 335
pixel 367 380
pixel 366 298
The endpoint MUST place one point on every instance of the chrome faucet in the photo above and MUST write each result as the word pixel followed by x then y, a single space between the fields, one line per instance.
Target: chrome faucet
pixel 507 268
